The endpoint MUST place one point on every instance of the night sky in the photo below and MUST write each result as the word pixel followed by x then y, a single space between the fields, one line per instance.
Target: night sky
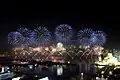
pixel 13 16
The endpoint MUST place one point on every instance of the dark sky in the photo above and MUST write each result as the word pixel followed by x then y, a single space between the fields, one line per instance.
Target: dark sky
pixel 12 16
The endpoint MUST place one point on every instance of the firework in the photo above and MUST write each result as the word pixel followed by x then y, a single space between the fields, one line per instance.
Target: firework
pixel 84 36
pixel 98 38
pixel 63 33
pixel 15 38
pixel 25 32
pixel 42 36
pixel 27 36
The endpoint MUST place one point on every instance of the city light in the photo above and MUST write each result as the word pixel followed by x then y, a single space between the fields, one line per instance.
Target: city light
pixel 108 60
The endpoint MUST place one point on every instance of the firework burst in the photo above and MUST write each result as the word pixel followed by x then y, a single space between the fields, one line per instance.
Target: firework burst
pixel 84 36
pixel 98 38
pixel 63 33
pixel 42 36
pixel 15 38
pixel 27 36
